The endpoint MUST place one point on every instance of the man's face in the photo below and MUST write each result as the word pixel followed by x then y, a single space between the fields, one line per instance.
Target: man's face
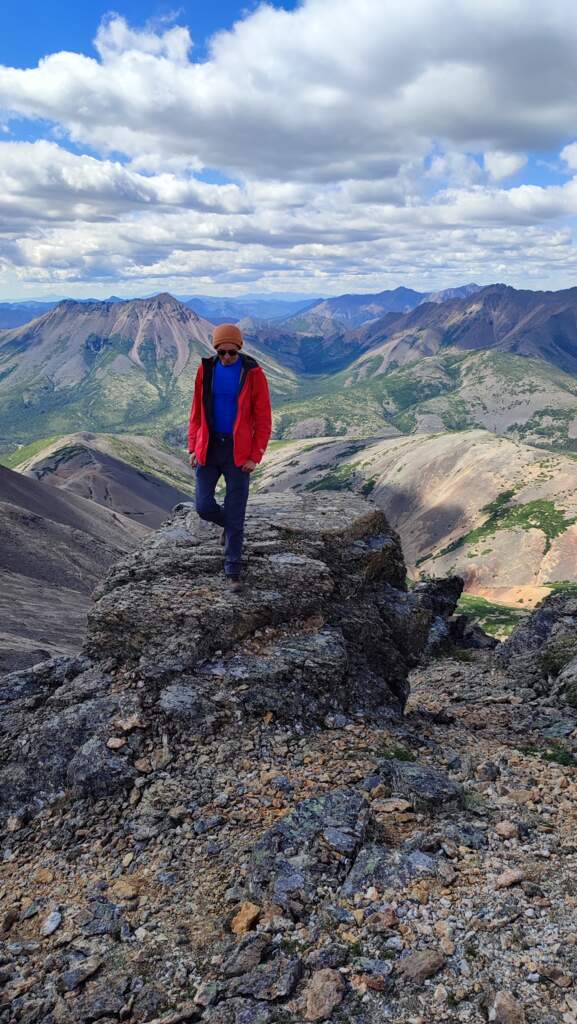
pixel 227 354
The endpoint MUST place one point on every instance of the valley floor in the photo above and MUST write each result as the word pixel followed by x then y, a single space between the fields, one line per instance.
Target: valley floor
pixel 105 921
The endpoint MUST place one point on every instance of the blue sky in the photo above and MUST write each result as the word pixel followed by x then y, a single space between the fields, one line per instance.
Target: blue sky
pixel 66 26
pixel 316 148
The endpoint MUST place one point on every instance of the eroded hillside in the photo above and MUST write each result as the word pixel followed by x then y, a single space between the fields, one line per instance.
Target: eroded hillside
pixel 501 514
pixel 54 548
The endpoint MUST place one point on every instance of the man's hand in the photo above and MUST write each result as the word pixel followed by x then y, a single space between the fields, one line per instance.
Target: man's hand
pixel 192 459
pixel 249 466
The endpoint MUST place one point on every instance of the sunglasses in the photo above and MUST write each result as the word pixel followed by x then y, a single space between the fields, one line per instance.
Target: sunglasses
pixel 227 352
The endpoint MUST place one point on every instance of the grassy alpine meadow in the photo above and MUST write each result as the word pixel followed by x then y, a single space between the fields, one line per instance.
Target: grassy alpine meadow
pixel 497 619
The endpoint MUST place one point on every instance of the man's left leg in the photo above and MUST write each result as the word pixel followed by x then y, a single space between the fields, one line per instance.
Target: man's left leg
pixel 237 486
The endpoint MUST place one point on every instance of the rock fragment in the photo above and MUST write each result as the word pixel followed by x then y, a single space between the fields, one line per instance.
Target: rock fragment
pixel 51 923
pixel 507 829
pixel 124 890
pixel 510 877
pixel 271 981
pixel 419 966
pixel 426 788
pixel 325 991
pixel 76 976
pixel 248 954
pixel 506 1010
pixel 246 916
pixel 44 876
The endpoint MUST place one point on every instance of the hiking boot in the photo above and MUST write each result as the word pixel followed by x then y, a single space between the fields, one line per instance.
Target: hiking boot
pixel 235 584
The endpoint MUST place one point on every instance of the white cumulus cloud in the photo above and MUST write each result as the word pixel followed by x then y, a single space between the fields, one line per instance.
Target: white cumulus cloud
pixel 501 165
pixel 359 147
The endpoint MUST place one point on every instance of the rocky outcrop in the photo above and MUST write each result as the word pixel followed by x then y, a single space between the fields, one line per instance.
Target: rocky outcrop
pixel 541 653
pixel 324 628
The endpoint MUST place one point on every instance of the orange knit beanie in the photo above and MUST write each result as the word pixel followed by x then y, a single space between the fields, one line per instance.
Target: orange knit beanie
pixel 227 333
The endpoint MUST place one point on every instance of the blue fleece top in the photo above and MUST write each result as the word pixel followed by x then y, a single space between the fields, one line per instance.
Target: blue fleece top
pixel 225 382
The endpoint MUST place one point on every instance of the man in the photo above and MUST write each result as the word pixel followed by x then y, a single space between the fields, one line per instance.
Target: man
pixel 230 425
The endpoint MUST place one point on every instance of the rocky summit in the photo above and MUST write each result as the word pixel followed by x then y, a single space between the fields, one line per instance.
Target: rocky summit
pixel 322 799
pixel 325 627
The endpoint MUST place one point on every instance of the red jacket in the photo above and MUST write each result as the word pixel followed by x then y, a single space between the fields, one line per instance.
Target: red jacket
pixel 253 423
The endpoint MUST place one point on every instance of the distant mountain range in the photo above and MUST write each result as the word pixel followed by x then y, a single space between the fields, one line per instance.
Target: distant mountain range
pixel 217 310
pixel 542 325
pixel 14 314
pixel 223 310
pixel 354 310
pixel 498 358
pixel 351 310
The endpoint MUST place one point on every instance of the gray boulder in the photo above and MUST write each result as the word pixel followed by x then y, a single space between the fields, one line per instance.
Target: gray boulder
pixel 427 789
pixel 314 845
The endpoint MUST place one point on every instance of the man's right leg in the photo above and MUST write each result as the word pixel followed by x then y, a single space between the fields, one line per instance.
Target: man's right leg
pixel 207 478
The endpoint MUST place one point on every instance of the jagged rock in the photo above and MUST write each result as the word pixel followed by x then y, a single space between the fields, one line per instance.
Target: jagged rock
pixel 512 876
pixel 36 683
pixel 45 747
pixel 465 834
pixel 76 976
pixel 246 955
pixel 102 1002
pixel 51 923
pixel 382 868
pixel 564 690
pixel 333 955
pixel 148 1003
pixel 282 676
pixel 440 595
pixel 95 770
pixel 541 646
pixel 315 844
pixel 208 992
pixel 100 918
pixel 325 596
pixel 414 617
pixel 246 916
pixel 271 981
pixel 464 632
pixel 318 849
pixel 504 1009
pixel 427 789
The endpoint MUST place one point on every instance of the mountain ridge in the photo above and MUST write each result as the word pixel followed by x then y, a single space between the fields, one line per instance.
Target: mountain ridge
pixel 107 366
pixel 542 324
pixel 97 468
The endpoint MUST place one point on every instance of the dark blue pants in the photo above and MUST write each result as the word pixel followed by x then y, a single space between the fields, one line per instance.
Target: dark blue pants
pixel 220 462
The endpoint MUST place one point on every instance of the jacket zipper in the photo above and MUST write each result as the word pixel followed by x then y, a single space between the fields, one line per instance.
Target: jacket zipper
pixel 243 376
